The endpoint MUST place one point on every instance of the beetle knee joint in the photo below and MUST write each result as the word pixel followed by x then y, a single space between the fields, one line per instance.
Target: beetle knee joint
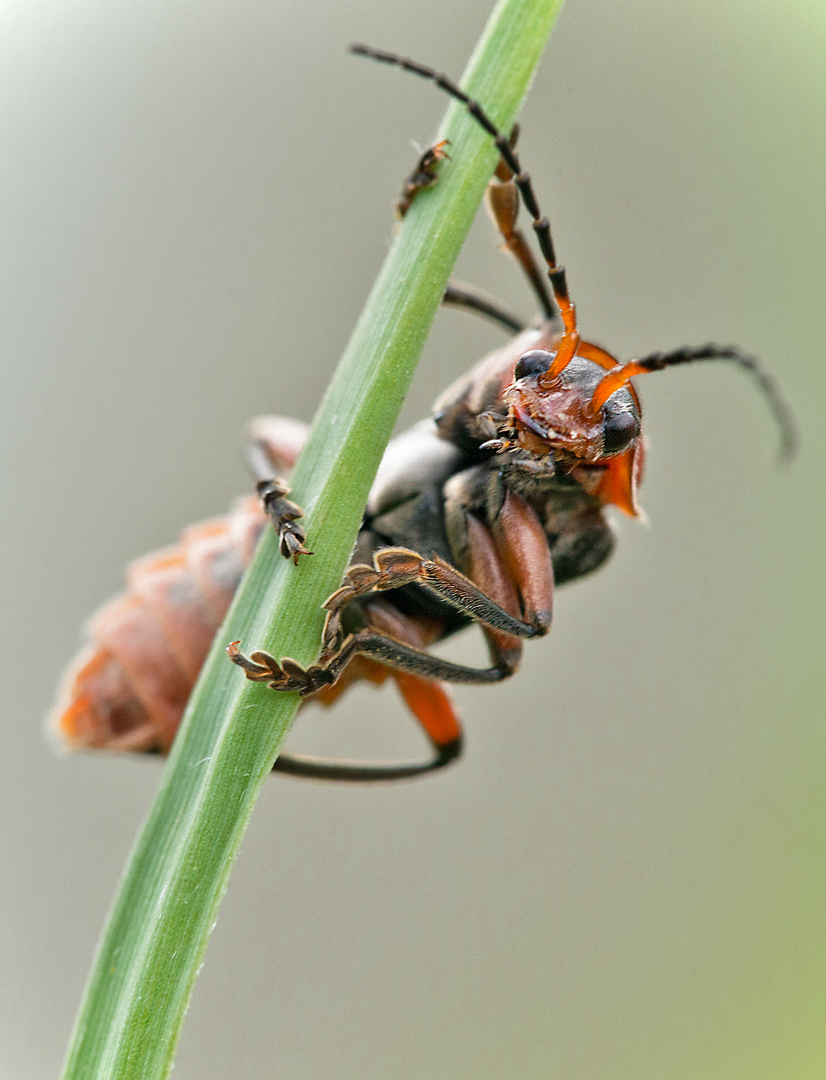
pixel 540 622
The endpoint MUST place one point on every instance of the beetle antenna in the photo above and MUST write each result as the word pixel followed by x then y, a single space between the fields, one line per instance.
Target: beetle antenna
pixel 541 226
pixel 767 385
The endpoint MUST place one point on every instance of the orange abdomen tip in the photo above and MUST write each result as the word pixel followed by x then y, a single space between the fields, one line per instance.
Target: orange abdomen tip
pixel 128 687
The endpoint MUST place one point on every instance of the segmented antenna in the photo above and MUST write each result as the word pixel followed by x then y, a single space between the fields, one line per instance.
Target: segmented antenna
pixel 541 225
pixel 623 373
pixel 766 384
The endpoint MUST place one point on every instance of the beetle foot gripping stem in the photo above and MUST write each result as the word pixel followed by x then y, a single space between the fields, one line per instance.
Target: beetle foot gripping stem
pixel 429 702
pixel 287 675
pixel 283 513
pixel 423 176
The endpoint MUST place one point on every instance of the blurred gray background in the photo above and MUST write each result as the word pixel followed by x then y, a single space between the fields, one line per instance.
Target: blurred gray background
pixel 625 876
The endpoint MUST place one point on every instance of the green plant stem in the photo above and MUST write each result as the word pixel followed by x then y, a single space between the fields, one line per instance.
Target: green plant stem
pixel 154 944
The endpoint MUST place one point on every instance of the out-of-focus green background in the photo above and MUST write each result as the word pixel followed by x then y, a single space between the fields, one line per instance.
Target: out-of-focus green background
pixel 625 876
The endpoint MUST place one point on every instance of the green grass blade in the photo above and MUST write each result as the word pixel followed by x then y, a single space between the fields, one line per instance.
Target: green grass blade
pixel 154 944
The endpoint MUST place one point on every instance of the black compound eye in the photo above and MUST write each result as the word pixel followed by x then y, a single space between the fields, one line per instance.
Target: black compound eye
pixel 620 429
pixel 535 362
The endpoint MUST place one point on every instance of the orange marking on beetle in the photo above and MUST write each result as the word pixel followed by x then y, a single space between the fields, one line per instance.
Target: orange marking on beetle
pixel 132 634
pixel 432 705
pixel 621 478
pixel 129 687
pixel 170 591
pixel 98 707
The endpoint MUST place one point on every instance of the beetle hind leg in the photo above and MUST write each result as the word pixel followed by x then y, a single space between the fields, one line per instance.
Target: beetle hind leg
pixel 430 702
pixel 432 706
pixel 274 444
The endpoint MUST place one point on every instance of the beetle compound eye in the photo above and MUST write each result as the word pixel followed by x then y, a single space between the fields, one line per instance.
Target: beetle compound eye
pixel 535 362
pixel 619 430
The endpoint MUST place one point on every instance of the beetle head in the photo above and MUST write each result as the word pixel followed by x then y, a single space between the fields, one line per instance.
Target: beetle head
pixel 557 415
pixel 566 422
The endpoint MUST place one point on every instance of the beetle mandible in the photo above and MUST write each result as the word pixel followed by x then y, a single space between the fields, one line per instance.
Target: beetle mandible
pixel 476 514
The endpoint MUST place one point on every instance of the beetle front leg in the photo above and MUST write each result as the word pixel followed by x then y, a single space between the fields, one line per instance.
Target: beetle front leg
pixel 423 176
pixel 499 542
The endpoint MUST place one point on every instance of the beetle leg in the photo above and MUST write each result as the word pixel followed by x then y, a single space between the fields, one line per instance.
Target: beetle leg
pixel 458 294
pixel 502 200
pixel 541 227
pixel 430 702
pixel 509 559
pixel 522 546
pixel 288 675
pixel 482 562
pixel 275 443
pixel 394 567
pixel 502 203
pixel 423 176
pixel 319 768
pixel 513 559
pixel 283 513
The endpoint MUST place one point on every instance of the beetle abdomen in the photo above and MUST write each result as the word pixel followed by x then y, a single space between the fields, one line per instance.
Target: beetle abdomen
pixel 128 687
